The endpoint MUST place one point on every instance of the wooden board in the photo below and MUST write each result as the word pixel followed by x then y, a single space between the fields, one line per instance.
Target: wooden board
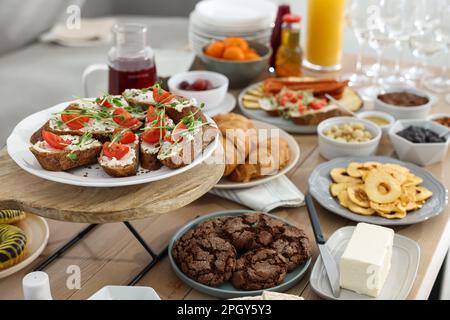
pixel 101 205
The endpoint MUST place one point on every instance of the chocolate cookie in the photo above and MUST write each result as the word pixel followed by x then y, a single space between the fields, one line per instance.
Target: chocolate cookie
pixel 252 230
pixel 207 259
pixel 293 244
pixel 259 269
pixel 212 226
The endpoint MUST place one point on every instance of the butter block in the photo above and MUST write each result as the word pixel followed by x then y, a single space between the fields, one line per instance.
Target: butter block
pixel 366 261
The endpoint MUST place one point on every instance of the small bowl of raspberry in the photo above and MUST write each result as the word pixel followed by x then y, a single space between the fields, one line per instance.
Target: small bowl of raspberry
pixel 206 87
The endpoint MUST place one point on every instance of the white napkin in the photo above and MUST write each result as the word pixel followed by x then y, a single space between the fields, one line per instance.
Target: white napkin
pixel 92 32
pixel 280 192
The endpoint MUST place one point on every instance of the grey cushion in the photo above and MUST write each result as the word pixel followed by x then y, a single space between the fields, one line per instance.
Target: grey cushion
pixel 22 22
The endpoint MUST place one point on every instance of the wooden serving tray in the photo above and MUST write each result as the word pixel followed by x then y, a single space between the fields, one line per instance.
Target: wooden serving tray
pixel 21 190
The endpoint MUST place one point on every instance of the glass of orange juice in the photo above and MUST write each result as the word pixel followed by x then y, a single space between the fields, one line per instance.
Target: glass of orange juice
pixel 324 34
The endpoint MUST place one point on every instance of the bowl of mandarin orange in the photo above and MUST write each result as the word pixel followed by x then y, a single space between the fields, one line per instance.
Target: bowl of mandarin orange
pixel 240 60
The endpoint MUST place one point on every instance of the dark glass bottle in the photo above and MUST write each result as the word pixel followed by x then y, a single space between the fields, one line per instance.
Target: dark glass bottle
pixel 275 39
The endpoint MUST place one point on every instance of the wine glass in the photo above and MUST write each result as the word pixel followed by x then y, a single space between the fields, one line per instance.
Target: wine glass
pixel 442 82
pixel 355 17
pixel 378 39
pixel 393 14
pixel 424 41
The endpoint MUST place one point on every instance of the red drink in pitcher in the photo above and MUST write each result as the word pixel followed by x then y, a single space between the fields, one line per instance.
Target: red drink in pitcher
pixel 121 80
pixel 131 61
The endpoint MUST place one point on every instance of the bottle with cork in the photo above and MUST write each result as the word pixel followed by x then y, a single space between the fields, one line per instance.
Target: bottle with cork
pixel 288 60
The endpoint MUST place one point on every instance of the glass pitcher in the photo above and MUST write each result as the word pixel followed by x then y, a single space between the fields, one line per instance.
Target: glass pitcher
pixel 131 62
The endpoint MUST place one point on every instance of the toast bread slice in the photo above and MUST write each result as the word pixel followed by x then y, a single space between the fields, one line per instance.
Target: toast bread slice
pixel 185 108
pixel 149 156
pixel 116 169
pixel 314 118
pixel 139 97
pixel 59 160
pixel 181 154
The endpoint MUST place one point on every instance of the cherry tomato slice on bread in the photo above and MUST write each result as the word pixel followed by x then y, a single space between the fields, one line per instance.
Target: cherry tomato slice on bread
pixel 161 95
pixel 123 118
pixel 156 127
pixel 153 135
pixel 115 150
pixel 54 140
pixel 126 137
pixel 103 102
pixel 151 114
pixel 74 121
pixel 168 138
pixel 318 104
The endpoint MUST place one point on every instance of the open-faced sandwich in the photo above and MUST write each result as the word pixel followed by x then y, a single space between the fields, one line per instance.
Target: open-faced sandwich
pixel 149 127
pixel 120 156
pixel 60 153
pixel 303 101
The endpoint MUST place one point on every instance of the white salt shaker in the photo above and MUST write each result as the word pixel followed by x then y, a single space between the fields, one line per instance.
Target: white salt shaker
pixel 36 286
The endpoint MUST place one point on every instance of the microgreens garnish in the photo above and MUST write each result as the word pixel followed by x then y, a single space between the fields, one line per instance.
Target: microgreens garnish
pixel 96 114
pixel 86 137
pixel 113 100
pixel 117 136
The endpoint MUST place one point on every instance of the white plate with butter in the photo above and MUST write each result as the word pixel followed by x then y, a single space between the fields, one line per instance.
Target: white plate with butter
pixel 404 265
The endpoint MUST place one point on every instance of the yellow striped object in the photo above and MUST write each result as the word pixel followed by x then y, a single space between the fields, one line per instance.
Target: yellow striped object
pixel 11 216
pixel 13 242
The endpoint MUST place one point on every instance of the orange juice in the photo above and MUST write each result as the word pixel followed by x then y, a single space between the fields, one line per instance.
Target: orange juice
pixel 324 34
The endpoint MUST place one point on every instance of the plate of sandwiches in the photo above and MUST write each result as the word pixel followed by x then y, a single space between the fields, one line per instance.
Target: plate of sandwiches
pixel 298 105
pixel 255 152
pixel 240 253
pixel 141 136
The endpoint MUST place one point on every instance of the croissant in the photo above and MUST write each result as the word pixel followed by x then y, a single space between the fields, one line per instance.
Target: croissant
pixel 231 157
pixel 239 120
pixel 270 156
pixel 243 137
pixel 246 157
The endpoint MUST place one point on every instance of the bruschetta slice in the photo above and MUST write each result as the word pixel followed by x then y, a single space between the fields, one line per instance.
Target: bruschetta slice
pixel 61 153
pixel 187 141
pixel 180 108
pixel 139 97
pixel 120 156
pixel 78 121
pixel 109 103
pixel 176 107
pixel 158 127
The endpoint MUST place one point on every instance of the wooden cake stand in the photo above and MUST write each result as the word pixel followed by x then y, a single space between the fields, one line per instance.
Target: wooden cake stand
pixel 21 190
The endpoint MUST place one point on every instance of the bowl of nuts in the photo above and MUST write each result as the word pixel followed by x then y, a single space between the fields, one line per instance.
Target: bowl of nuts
pixel 348 136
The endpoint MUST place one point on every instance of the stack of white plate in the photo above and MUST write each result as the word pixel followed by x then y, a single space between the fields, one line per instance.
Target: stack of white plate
pixel 217 19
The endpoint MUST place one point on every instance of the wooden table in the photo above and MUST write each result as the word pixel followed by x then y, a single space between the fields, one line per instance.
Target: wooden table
pixel 110 256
